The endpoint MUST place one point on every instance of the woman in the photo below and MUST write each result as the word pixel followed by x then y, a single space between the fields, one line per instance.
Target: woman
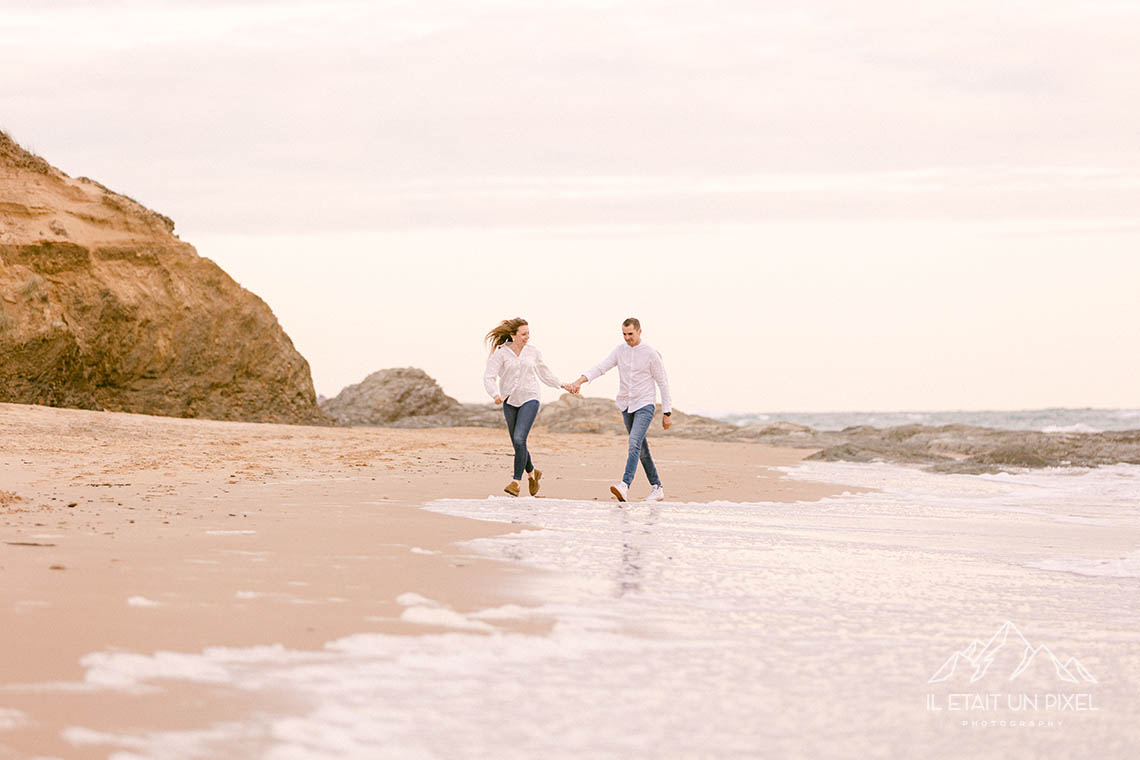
pixel 517 367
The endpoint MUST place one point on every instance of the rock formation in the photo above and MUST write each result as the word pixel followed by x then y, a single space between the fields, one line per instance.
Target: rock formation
pixel 580 414
pixel 465 415
pixel 586 414
pixel 410 398
pixel 389 395
pixel 103 307
pixel 969 449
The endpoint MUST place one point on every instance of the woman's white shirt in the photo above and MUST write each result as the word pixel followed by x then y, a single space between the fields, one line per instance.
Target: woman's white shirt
pixel 517 376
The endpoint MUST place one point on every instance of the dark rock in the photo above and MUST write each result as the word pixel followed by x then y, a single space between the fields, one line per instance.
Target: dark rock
pixel 464 415
pixel 588 414
pixel 410 398
pixel 878 451
pixel 581 414
pixel 389 395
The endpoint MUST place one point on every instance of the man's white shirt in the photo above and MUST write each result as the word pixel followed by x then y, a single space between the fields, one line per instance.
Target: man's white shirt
pixel 639 367
pixel 517 376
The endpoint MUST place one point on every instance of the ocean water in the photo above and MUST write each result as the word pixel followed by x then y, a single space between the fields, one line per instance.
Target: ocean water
pixel 712 630
pixel 1046 420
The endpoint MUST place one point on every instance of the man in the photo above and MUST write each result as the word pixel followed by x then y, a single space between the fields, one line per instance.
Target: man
pixel 639 367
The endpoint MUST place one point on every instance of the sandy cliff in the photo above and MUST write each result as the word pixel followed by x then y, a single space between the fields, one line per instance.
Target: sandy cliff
pixel 103 307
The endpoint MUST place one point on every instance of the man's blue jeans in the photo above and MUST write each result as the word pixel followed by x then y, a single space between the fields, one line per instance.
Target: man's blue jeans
pixel 519 421
pixel 637 423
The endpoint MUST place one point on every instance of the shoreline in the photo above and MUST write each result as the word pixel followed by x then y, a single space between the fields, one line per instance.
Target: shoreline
pixel 135 533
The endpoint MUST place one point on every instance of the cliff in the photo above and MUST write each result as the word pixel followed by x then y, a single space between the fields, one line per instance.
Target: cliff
pixel 103 307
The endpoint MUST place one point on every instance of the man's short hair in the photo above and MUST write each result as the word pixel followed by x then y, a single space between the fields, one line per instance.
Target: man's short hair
pixel 632 321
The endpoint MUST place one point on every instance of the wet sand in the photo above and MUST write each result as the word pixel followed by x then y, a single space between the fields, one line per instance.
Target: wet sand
pixel 143 534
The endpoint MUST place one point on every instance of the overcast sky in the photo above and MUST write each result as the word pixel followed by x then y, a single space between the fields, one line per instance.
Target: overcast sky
pixel 812 206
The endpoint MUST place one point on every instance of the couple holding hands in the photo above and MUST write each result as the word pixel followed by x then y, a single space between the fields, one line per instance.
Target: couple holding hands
pixel 511 379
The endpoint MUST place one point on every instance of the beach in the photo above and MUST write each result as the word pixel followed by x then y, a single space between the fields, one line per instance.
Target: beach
pixel 138 533
pixel 867 271
pixel 184 588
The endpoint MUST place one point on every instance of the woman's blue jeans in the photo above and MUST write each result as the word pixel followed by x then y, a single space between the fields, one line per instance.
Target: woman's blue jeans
pixel 637 423
pixel 519 421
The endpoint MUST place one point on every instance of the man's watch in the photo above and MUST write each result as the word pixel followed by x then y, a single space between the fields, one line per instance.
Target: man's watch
pixel 668 414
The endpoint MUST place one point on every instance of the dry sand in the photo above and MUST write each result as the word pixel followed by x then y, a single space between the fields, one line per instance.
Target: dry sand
pixel 134 533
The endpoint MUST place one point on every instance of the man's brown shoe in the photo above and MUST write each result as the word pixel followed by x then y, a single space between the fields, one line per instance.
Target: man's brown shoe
pixel 533 482
pixel 512 488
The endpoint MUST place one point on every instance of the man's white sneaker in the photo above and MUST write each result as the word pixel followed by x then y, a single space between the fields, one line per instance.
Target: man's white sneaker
pixel 657 493
pixel 620 490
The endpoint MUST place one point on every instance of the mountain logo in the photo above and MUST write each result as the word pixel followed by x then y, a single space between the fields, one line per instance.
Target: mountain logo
pixel 1013 654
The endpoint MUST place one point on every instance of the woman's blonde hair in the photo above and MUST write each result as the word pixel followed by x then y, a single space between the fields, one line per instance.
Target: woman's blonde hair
pixel 501 333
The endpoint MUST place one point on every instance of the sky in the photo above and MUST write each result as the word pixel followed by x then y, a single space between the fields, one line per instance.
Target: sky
pixel 811 206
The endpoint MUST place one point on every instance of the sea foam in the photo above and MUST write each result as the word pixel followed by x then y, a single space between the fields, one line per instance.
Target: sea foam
pixel 686 629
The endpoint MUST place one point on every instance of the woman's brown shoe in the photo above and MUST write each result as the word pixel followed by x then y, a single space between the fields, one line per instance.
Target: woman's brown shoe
pixel 533 482
pixel 512 488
